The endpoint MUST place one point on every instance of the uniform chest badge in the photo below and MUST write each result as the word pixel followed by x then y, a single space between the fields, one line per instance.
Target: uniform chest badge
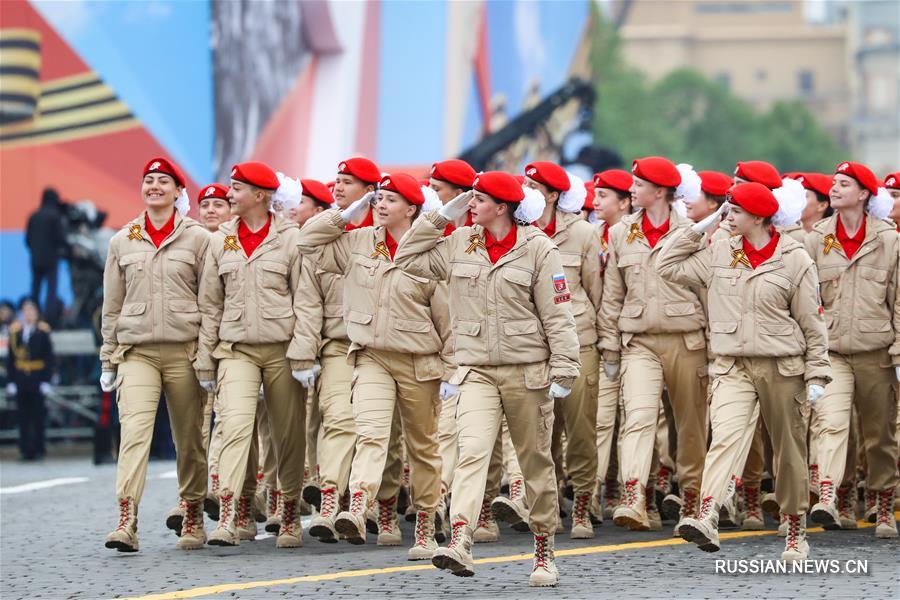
pixel 739 258
pixel 381 249
pixel 634 233
pixel 231 243
pixel 832 243
pixel 475 242
pixel 134 232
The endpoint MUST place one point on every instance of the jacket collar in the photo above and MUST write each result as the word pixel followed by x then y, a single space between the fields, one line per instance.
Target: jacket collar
pixel 137 229
pixel 272 241
pixel 636 218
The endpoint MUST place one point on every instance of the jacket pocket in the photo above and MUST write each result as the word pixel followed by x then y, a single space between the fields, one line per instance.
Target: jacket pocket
pixel 428 367
pixel 274 276
pixel 537 375
pixel 517 276
pixel 725 282
pixel 875 284
pixel 722 365
pixel 365 270
pixel 695 340
pixel 776 328
pixel 873 325
pixel 232 313
pixel 790 366
pixel 133 265
pixel 277 312
pixel 723 326
pixel 467 328
pixel 464 279
pixel 413 325
pixel 680 309
pixel 354 316
pixel 184 306
pixel 632 311
pixel 133 309
pixel 829 284
pixel 522 327
pixel 460 375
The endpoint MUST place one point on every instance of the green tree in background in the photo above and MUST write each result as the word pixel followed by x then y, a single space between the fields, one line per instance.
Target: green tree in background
pixel 690 118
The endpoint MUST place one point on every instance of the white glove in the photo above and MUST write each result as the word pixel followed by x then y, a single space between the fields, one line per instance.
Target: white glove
pixel 356 209
pixel 710 221
pixel 46 388
pixel 209 385
pixel 448 390
pixel 307 377
pixel 108 381
pixel 612 370
pixel 11 389
pixel 814 392
pixel 558 391
pixel 456 207
pixel 897 373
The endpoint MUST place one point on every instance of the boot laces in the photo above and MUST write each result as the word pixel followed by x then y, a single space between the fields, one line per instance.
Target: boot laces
pixel 843 500
pixel 751 500
pixel 215 484
pixel 814 474
pixel 793 534
pixel 705 508
pixel 515 489
pixel 885 506
pixel 541 551
pixel 273 501
pixel 826 492
pixel 289 510
pixel 356 503
pixel 243 514
pixel 689 502
pixel 124 514
pixel 485 515
pixel 190 518
pixel 631 492
pixel 225 509
pixel 328 501
pixel 456 536
pixel 662 479
pixel 611 494
pixel 580 508
pixel 421 528
pixel 386 514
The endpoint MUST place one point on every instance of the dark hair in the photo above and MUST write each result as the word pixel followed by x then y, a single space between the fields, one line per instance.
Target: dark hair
pixel 823 198
pixel 50 197
pixel 8 304
pixel 716 199
pixel 29 300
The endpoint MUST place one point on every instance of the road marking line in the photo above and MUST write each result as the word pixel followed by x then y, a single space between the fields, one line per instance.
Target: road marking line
pixel 41 485
pixel 235 587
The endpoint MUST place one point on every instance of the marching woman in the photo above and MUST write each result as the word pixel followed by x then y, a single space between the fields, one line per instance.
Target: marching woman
pixel 397 329
pixel 856 253
pixel 612 201
pixel 655 328
pixel 150 326
pixel 248 339
pixel 769 338
pixel 579 249
pixel 516 344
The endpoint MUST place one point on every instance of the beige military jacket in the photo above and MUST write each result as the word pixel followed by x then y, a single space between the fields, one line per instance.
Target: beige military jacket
pixel 150 293
pixel 636 299
pixel 770 311
pixel 859 295
pixel 384 307
pixel 249 300
pixel 321 297
pixel 514 312
pixel 579 249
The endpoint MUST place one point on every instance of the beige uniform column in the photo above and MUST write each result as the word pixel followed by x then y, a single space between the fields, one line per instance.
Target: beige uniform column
pixel 514 335
pixel 149 329
pixel 863 317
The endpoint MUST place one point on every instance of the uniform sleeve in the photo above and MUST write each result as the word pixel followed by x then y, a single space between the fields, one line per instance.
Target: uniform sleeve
pixel 113 298
pixel 308 301
pixel 211 299
pixel 423 251
pixel 591 274
pixel 685 259
pixel 555 313
pixel 614 290
pixel 10 356
pixel 325 237
pixel 894 303
pixel 49 359
pixel 440 315
pixel 806 310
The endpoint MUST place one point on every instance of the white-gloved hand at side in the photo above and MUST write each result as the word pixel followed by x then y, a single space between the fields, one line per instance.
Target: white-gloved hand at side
pixel 448 390
pixel 612 370
pixel 108 381
pixel 11 389
pixel 208 384
pixel 814 392
pixel 558 391
pixel 307 377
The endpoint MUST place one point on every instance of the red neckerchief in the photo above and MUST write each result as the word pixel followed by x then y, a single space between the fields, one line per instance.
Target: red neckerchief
pixel 850 244
pixel 390 243
pixel 250 240
pixel 757 257
pixel 550 229
pixel 158 235
pixel 653 233
pixel 497 248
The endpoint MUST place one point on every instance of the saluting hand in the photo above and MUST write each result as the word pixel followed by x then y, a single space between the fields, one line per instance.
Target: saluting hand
pixel 456 207
pixel 709 222
pixel 349 214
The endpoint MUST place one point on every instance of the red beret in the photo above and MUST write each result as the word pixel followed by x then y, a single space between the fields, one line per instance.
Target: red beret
pixel 589 199
pixel 817 182
pixel 255 173
pixel 455 171
pixel 330 186
pixel 499 186
pixel 405 185
pixel 657 170
pixel 361 168
pixel 520 179
pixel 760 172
pixel 317 190
pixel 892 181
pixel 550 174
pixel 792 175
pixel 755 198
pixel 715 183
pixel 861 173
pixel 614 179
pixel 213 190
pixel 164 165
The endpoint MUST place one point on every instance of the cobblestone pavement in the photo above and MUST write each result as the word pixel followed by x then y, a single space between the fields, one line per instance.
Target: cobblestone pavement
pixel 51 546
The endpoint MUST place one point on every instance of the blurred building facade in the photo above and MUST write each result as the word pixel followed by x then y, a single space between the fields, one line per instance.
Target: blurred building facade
pixel 762 50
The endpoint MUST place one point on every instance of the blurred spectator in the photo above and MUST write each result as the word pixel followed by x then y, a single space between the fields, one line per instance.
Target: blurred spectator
pixel 29 366
pixel 7 315
pixel 45 238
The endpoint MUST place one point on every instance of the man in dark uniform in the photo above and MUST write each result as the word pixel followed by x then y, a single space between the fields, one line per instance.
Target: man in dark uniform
pixel 29 368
